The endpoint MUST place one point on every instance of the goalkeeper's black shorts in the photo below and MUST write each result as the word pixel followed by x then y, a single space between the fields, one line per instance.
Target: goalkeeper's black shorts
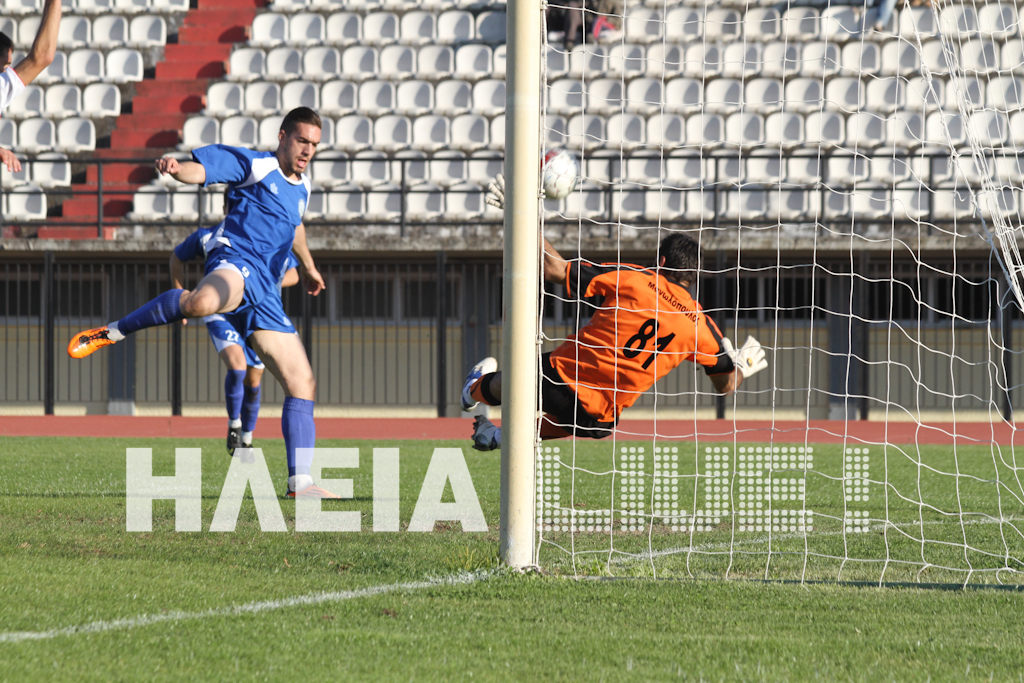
pixel 560 402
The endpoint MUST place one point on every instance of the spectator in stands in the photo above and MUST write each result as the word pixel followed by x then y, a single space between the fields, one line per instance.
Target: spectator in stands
pixel 886 7
pixel 13 80
pixel 602 21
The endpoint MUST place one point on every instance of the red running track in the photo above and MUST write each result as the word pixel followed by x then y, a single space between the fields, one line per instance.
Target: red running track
pixel 745 431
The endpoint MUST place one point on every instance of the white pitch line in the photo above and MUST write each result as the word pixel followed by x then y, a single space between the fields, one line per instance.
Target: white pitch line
pixel 235 610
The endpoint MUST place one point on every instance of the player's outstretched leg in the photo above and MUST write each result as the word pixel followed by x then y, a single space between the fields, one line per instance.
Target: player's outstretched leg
pixel 163 309
pixel 485 367
pixel 486 435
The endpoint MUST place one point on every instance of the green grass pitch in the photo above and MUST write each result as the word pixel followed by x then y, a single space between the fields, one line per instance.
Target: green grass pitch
pixel 82 597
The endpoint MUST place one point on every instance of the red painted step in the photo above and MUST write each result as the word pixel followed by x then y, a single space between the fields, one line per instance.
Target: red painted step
pixel 57 232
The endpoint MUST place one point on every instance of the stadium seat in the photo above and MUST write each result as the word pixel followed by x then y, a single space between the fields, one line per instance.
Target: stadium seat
pixel 820 59
pixel 841 23
pixel 744 129
pixel 455 27
pixel 481 168
pixel 224 98
pixel 124 65
pixel 605 96
pixel 359 62
pixel 958 20
pixel 628 203
pixel 262 98
pixel 587 61
pixel 239 131
pixel 858 58
pixel 925 93
pixel 499 60
pixel 247 64
pixel 397 61
pixel 639 169
pixel 844 94
pixel 392 132
pixel 497 132
pixel 688 171
pixel 684 95
pixel 666 130
pixel 151 203
pixel 997 20
pixel 269 29
pixel 789 205
pixel 51 170
pixel 454 97
pixel 57 72
pixel 847 171
pixel 31 103
pixel 380 28
pixel 764 95
pixel 130 7
pixel 556 62
pixel 338 97
pixel 889 169
pixel 626 131
pixel 625 60
pixel 447 168
pixel 934 57
pixel 762 24
pixel 886 94
pixel 664 204
pixel 100 100
pixel 472 62
pixel 781 59
pixel 555 132
pixel 376 97
pixel 330 169
pixel 702 60
pixel 587 200
pixel 470 132
pixel 170 6
pixel 199 131
pixel 801 24
pixel 899 58
pixel 109 30
pixel 418 28
pixel 804 169
pixel 905 130
pixel 1005 93
pixel 75 135
pixel 436 62
pixel 661 60
pixel 721 24
pixel 1011 57
pixel 964 93
pixel 910 201
pixel 489 97
pixel 565 96
pixel 465 201
pixel 868 202
pixel 21 7
pixel 306 29
pixel 321 63
pixel 283 64
pixel 25 203
pixel 784 130
pixel 836 204
pixel 345 202
pixel 586 131
pixel 410 167
pixel 36 135
pixel 490 27
pixel 989 128
pixel 979 56
pixel 707 130
pixel 728 171
pixel 10 179
pixel 683 25
pixel 300 94
pixel 85 66
pixel 344 28
pixel 354 132
pixel 267 138
pixel 825 129
pixel 742 60
pixel 767 170
pixel 414 98
pixel 944 128
pixel 804 94
pixel 147 30
pixel 700 205
pixel 643 25
pixel 865 130
pixel 384 202
pixel 425 202
pixel 723 95
pixel 75 31
pixel 184 204
pixel 948 203
pixel 917 22
pixel 288 6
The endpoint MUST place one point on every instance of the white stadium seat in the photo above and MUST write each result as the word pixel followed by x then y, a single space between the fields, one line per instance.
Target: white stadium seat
pixel 644 95
pixel 661 60
pixel 431 133
pixel 844 94
pixel 997 20
pixel 414 97
pixel 9 179
pixel 199 131
pixel 683 25
pixel 62 101
pixel 742 60
pixel 723 95
pixel 384 202
pixel 321 63
pixel 338 97
pixel 587 60
pixel 225 98
pixel 804 94
pixel 247 64
pixel 269 127
pixel 465 201
pixel 744 129
pixel 57 72
pixel 100 100
pixel 30 104
pixel 345 202
pixel 151 203
pixel 397 61
pixel 269 29
pixel 944 128
pixel 455 26
pixel 51 169
pixel 359 62
pixel 184 204
pixel 847 170
pixel 85 66
pixel 989 128
pixel 330 170
pixel 586 131
pixel 768 170
pixel 354 132
pixel 605 96
pixel 147 30
pixel 886 94
pixel 565 96
pixel 239 131
pixel 448 168
pixel 825 129
pixel 784 129
pixel 306 28
pixel 958 20
pixel 132 6
pixel 722 24
pixel 283 63
pixel 762 24
pixel 625 60
pixel 76 135
pixel 643 25
pixel 933 55
pixel 124 65
pixel 1005 93
pixel 497 132
pixel 964 92
pixel 489 96
pixel 453 97
pixel 865 130
pixel 803 169
pixel 664 204
pixel 899 58
pixel 840 23
pixel 819 58
pixel 860 57
pixel 708 130
pixel 801 24
pixel 392 132
pixel 470 132
pixel 702 60
pixel 380 28
pixel 25 203
pixel 418 27
pixel 262 98
pixel 472 61
pixel 299 93
pixel 917 22
pixel 425 202
pixel 344 28
pixel 436 61
pixel 684 95
pixel 781 59
pixel 905 130
pixel 980 56
pixel 626 131
pixel 376 97
pixel 763 95
pixel 490 26
pixel 109 30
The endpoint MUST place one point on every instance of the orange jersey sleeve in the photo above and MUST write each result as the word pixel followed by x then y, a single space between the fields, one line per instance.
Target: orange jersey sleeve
pixel 643 327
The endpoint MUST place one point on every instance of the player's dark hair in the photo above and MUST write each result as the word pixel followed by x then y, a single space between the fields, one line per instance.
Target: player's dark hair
pixel 5 43
pixel 682 257
pixel 300 115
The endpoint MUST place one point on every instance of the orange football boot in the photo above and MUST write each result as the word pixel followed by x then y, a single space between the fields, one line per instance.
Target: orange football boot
pixel 87 341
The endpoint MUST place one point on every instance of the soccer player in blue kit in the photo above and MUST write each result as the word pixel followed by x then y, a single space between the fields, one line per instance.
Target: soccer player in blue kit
pixel 242 381
pixel 267 195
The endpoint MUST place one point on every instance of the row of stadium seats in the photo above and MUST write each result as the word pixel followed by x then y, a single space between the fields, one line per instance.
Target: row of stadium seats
pixel 159 7
pixel 452 27
pixel 104 32
pixel 430 202
pixel 84 66
pixel 34 136
pixel 59 101
pixel 435 62
pixel 47 170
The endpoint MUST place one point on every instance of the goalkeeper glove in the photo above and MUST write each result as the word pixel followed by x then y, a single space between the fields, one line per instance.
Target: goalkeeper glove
pixel 495 195
pixel 749 359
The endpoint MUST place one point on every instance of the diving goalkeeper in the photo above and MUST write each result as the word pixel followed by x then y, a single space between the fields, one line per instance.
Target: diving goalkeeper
pixel 645 325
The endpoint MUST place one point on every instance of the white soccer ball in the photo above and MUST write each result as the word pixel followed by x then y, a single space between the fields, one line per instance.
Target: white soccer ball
pixel 560 173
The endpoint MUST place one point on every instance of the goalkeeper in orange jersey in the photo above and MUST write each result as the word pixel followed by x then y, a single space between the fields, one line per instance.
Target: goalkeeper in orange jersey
pixel 645 325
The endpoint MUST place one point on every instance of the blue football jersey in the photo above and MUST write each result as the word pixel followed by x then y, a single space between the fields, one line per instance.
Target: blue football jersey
pixel 263 206
pixel 204 240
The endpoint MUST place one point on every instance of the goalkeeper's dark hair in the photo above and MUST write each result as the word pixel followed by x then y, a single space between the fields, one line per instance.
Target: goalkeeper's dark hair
pixel 5 43
pixel 682 257
pixel 300 115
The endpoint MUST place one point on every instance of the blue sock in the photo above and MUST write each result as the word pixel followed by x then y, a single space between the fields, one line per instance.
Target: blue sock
pixel 233 392
pixel 299 432
pixel 250 408
pixel 166 308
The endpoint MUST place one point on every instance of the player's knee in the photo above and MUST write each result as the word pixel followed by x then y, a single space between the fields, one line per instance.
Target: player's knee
pixel 200 303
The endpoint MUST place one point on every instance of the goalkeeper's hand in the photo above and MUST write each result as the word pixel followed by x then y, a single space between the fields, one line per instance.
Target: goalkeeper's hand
pixel 495 195
pixel 749 359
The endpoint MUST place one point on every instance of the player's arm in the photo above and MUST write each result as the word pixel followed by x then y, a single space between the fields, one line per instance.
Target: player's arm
pixel 44 47
pixel 189 172
pixel 177 272
pixel 307 269
pixel 554 264
pixel 291 277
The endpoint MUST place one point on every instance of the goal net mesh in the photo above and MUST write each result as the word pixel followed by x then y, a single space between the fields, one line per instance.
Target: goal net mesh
pixel 855 186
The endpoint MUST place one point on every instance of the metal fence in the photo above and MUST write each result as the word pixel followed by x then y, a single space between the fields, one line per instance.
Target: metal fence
pixel 877 339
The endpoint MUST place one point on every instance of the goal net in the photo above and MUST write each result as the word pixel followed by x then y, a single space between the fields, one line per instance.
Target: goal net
pixel 856 193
